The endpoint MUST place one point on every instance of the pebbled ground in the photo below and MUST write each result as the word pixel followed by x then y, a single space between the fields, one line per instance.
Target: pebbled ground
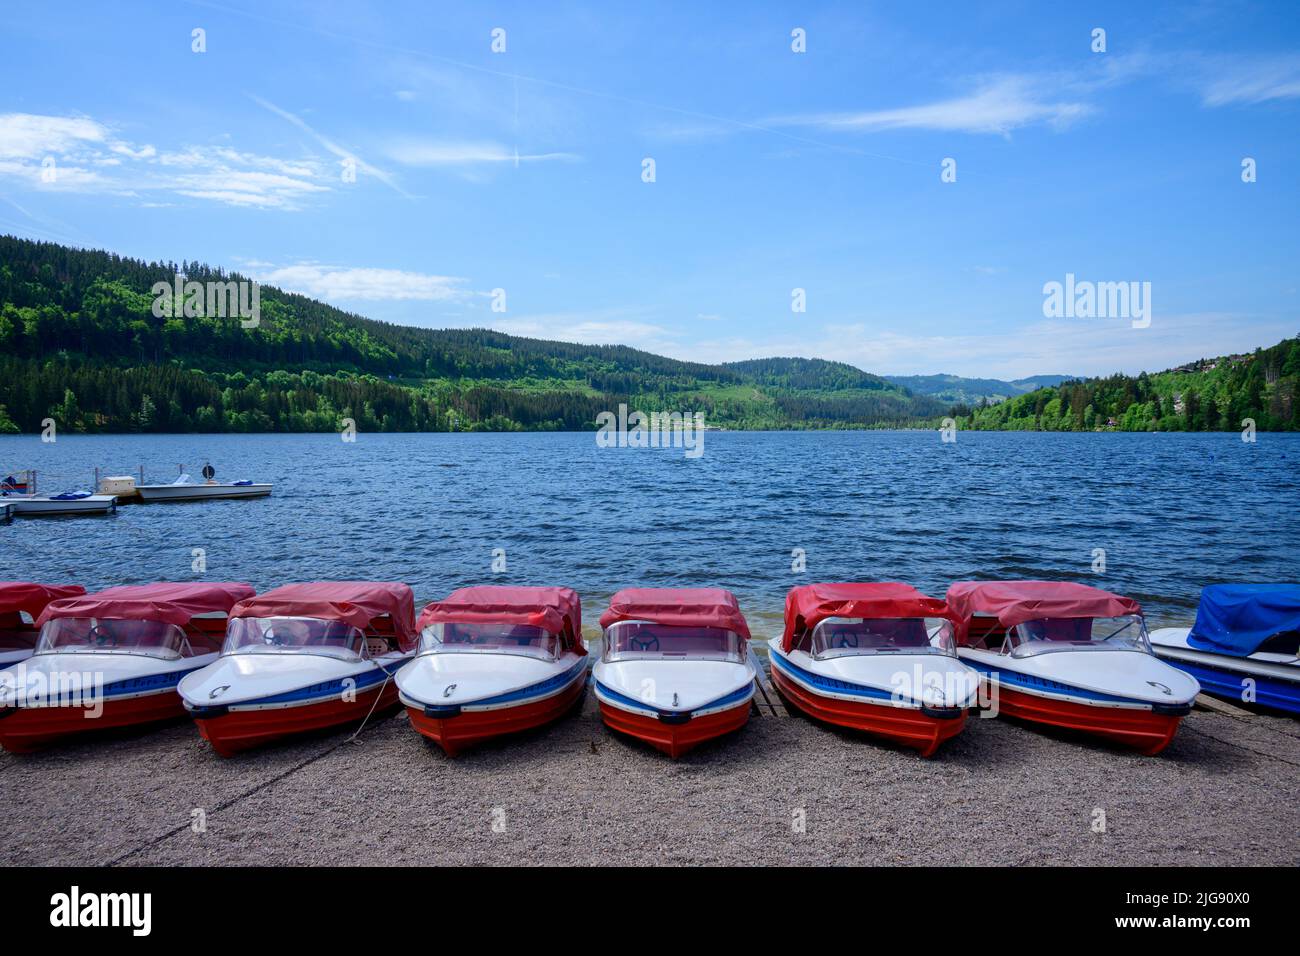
pixel 573 793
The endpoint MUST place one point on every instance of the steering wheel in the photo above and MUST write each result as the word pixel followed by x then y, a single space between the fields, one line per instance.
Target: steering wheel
pixel 272 638
pixel 843 638
pixel 652 644
pixel 102 636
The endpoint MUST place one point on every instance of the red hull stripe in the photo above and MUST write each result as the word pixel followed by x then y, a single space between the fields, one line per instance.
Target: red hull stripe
pixel 24 729
pixel 469 727
pixel 1147 731
pixel 239 730
pixel 902 725
pixel 675 739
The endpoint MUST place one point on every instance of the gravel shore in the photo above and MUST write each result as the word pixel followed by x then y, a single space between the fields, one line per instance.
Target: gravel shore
pixel 573 793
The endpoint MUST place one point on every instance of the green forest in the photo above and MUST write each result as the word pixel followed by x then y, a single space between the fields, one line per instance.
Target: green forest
pixel 80 344
pixel 1217 394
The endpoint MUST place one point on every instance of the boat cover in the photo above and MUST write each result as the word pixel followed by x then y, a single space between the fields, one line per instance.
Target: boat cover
pixel 1235 619
pixel 175 603
pixel 1014 602
pixel 32 598
pixel 809 604
pixel 555 610
pixel 685 607
pixel 351 602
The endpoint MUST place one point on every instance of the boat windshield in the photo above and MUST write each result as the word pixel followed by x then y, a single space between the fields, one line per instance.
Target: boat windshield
pixel 294 635
pixel 848 637
pixel 643 640
pixel 96 635
pixel 484 638
pixel 16 631
pixel 1128 633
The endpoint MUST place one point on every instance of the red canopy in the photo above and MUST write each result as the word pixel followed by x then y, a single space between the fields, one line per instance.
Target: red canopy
pixel 687 607
pixel 351 602
pixel 555 610
pixel 175 603
pixel 1014 602
pixel 809 604
pixel 32 598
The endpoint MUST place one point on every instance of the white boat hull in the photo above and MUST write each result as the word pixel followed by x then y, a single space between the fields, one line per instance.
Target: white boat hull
pixel 1130 697
pixel 1272 680
pixel 40 507
pixel 245 700
pixel 201 492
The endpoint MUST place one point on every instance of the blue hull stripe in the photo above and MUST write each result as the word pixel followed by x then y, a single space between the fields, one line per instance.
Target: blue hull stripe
pixel 828 684
pixel 523 694
pixel 735 697
pixel 1041 685
pixel 153 683
pixel 1269 691
pixel 360 682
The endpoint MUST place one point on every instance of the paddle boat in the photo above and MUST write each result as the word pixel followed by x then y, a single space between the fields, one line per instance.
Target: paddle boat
pixel 303 657
pixel 494 660
pixel 675 669
pixel 874 657
pixel 21 603
pixel 112 659
pixel 1072 656
pixel 1245 644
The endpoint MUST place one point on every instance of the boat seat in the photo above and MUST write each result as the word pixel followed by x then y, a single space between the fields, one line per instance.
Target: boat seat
pixel 985 634
pixel 1286 643
pixel 16 637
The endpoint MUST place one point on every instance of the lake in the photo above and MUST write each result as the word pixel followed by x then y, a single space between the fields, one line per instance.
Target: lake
pixel 1171 511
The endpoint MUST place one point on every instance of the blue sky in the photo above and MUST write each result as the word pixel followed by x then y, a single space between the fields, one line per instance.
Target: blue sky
pixel 774 170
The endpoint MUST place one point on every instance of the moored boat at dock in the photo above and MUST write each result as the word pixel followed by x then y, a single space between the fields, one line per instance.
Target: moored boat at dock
pixel 675 669
pixel 1244 645
pixel 1071 656
pixel 21 604
pixel 112 659
pixel 185 490
pixel 68 503
pixel 494 660
pixel 303 657
pixel 875 657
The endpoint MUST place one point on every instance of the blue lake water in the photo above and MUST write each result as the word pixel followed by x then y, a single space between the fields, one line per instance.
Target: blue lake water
pixel 1172 512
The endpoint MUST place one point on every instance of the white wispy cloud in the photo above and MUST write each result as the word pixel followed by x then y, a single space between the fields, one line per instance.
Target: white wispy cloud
pixel 997 105
pixel 1249 80
pixel 80 154
pixel 340 151
pixel 345 283
pixel 595 327
pixel 32 136
pixel 444 153
pixel 1073 347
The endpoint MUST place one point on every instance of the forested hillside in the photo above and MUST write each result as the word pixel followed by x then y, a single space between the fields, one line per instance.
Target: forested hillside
pixel 1208 395
pixel 79 343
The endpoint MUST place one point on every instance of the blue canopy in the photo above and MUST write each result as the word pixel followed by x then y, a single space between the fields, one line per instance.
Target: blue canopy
pixel 1236 619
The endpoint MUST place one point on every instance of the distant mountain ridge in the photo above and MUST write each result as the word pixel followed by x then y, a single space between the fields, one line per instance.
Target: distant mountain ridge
pixel 968 391
pixel 80 343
